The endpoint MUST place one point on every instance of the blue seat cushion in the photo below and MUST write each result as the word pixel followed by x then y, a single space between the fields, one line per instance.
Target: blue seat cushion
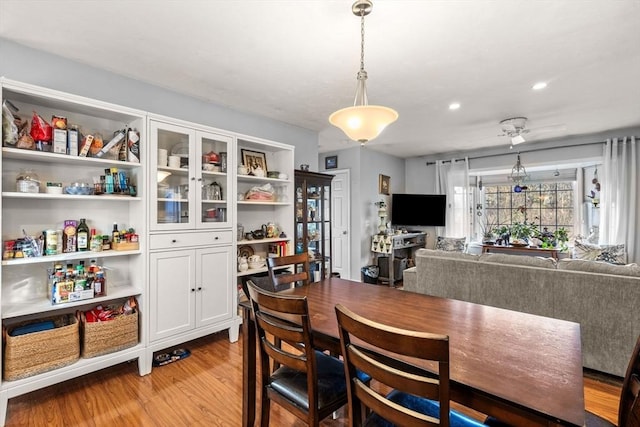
pixel 332 387
pixel 422 405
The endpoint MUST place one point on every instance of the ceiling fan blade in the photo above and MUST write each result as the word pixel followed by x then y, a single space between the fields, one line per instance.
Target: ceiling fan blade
pixel 518 139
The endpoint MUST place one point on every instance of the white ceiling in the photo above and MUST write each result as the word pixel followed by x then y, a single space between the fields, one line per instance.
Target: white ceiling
pixel 296 60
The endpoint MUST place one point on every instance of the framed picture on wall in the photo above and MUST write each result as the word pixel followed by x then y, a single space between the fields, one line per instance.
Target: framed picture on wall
pixel 331 162
pixel 253 159
pixel 384 184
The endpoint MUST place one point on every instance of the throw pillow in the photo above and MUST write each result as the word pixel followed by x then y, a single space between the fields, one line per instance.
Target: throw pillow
pixel 614 254
pixel 450 244
pixel 586 251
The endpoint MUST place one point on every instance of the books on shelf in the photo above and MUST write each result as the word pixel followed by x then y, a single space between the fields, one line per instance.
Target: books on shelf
pixel 278 249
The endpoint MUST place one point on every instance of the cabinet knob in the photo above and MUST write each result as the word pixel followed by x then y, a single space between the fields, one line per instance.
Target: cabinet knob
pixel 200 288
pixel 173 240
pixel 199 179
pixel 193 178
pixel 193 290
pixel 216 238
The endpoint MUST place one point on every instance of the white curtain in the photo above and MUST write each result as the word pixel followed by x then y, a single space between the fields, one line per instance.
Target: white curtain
pixel 452 179
pixel 619 187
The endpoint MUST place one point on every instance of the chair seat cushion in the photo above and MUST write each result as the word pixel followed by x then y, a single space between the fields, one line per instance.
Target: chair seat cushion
pixel 422 405
pixel 332 387
pixel 592 420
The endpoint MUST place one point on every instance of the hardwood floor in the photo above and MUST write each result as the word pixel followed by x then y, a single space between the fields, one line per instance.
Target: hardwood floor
pixel 202 390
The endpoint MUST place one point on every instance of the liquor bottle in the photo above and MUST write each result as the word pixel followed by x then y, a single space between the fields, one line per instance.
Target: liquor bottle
pixel 115 234
pixel 80 282
pixel 83 235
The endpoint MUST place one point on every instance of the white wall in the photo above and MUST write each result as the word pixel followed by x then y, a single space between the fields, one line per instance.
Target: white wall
pixel 40 68
pixel 366 166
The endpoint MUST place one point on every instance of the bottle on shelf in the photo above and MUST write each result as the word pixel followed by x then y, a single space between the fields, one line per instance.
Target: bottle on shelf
pixel 83 235
pixel 99 284
pixel 95 244
pixel 115 234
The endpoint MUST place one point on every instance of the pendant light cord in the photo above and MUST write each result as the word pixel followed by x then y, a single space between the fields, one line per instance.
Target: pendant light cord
pixel 362 39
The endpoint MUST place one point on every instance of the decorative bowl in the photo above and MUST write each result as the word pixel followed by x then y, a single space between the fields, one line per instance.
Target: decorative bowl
pixel 79 189
pixel 256 265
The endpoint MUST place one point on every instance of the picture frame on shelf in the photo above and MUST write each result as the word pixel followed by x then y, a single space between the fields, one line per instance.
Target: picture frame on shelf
pixel 331 162
pixel 253 159
pixel 384 183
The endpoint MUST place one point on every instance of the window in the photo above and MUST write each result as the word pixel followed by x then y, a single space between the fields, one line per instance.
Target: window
pixel 547 205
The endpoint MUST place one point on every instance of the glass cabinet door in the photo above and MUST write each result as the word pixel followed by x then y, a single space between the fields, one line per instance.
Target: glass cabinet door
pixel 171 173
pixel 313 221
pixel 212 180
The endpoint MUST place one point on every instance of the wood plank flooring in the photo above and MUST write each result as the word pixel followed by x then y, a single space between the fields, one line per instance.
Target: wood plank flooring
pixel 204 389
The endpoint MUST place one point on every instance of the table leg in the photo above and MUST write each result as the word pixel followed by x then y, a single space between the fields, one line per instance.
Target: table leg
pixel 248 369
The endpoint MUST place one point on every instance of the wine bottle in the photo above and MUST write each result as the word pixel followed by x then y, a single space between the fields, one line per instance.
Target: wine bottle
pixel 83 235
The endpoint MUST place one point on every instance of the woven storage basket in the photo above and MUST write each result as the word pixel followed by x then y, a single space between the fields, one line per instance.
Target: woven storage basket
pixel 100 338
pixel 37 352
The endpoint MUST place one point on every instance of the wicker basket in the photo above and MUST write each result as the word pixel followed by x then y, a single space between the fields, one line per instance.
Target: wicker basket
pixel 100 338
pixel 37 352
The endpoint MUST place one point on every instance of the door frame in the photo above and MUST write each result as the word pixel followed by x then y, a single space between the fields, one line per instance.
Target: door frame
pixel 347 253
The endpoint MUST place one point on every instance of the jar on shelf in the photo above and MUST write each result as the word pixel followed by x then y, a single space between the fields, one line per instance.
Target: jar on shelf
pixel 27 181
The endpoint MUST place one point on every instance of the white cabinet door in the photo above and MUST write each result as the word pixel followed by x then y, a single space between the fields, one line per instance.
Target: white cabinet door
pixel 172 292
pixel 215 296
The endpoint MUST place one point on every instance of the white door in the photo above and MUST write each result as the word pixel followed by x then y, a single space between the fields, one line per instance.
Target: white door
pixel 214 286
pixel 172 293
pixel 340 226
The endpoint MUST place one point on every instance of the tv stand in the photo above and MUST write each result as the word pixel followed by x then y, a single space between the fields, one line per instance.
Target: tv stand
pixel 392 246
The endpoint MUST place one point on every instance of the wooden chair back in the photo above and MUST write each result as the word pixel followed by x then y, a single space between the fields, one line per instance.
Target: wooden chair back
pixel 629 409
pixel 285 318
pixel 372 347
pixel 301 270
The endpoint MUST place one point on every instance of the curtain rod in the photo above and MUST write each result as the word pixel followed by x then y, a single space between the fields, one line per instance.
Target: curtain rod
pixel 526 151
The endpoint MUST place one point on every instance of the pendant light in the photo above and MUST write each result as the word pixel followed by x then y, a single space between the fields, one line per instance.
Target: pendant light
pixel 363 122
pixel 518 175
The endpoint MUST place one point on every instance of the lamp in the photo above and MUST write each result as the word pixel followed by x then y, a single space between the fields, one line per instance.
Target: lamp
pixel 363 122
pixel 518 175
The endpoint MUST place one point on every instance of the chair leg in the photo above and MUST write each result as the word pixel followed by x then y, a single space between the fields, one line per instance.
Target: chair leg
pixel 265 411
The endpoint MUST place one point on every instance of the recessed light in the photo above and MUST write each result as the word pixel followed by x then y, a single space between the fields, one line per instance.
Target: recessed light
pixel 539 86
pixel 454 106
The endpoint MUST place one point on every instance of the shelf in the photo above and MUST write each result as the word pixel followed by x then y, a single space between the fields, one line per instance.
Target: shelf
pixel 44 157
pixel 214 202
pixel 69 256
pixel 177 171
pixel 251 178
pixel 259 241
pixel 248 202
pixel 43 306
pixel 212 173
pixel 47 196
pixel 159 199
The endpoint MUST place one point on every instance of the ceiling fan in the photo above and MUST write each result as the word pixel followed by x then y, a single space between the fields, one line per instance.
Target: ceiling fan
pixel 514 127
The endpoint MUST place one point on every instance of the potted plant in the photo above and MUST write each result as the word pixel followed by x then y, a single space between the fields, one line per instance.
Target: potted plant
pixel 562 237
pixel 488 231
pixel 523 231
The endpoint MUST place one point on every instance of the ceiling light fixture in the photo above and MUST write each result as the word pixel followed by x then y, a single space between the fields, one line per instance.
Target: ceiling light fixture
pixel 518 175
pixel 363 122
pixel 454 106
pixel 539 86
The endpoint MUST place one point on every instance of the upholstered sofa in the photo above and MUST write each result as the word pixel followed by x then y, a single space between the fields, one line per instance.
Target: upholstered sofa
pixel 603 298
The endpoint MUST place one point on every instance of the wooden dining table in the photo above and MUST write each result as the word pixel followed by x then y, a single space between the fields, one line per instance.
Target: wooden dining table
pixel 521 368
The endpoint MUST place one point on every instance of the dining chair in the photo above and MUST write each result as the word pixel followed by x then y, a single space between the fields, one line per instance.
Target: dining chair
pixel 301 270
pixel 417 398
pixel 629 408
pixel 308 383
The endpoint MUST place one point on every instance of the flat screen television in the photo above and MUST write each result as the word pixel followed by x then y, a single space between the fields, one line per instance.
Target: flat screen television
pixel 418 210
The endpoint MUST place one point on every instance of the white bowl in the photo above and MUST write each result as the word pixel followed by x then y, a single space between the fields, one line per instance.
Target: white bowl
pixel 256 265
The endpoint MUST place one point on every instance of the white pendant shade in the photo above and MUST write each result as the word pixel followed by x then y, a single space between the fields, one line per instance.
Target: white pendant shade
pixel 363 123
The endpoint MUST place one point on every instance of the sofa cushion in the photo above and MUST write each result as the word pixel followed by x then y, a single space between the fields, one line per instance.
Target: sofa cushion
pixel 632 270
pixel 447 254
pixel 450 244
pixel 526 260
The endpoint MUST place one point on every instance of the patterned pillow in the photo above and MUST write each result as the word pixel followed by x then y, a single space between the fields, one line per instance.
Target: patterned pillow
pixel 614 254
pixel 450 244
pixel 586 251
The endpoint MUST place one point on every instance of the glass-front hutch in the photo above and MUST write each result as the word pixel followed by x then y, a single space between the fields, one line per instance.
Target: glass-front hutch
pixel 313 220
